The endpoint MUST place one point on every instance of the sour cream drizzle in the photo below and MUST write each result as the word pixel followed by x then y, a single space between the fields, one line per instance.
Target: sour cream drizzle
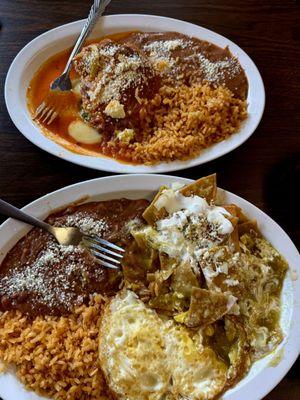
pixel 195 205
pixel 191 228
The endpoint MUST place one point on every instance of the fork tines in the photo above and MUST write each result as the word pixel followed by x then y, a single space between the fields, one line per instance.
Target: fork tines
pixel 45 113
pixel 107 254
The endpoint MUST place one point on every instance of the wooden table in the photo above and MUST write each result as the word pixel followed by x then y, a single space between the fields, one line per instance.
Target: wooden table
pixel 265 170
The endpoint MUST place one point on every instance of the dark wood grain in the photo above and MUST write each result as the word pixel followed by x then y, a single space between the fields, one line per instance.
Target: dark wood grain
pixel 265 170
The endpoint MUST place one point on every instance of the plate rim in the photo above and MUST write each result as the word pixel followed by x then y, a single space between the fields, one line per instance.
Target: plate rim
pixel 20 116
pixel 265 380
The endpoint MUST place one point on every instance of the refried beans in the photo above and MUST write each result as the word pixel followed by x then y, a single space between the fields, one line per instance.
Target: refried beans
pixel 40 277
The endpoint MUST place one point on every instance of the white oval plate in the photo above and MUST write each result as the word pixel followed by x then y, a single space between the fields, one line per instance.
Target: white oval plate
pixel 262 377
pixel 46 45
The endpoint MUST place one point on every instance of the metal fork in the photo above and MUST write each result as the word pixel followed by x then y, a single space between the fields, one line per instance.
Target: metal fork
pixel 52 105
pixel 107 254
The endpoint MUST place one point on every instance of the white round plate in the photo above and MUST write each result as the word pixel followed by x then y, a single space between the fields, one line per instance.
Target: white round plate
pixel 46 45
pixel 264 374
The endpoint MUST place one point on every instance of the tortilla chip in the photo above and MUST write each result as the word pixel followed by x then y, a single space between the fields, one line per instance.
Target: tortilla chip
pixel 221 273
pixel 262 248
pixel 165 261
pixel 231 208
pixel 236 211
pixel 141 239
pixel 239 354
pixel 137 263
pixel 152 214
pixel 158 280
pixel 229 341
pixel 170 302
pixel 206 307
pixel 184 279
pixel 240 214
pixel 205 187
pixel 248 227
pixel 233 239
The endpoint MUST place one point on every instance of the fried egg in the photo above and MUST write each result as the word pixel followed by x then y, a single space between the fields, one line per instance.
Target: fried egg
pixel 145 357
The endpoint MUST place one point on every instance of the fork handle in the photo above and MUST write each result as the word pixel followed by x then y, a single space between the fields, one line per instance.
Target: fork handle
pixel 96 11
pixel 10 211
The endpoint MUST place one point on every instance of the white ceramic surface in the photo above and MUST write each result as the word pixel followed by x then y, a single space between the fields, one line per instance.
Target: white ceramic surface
pixel 46 45
pixel 263 377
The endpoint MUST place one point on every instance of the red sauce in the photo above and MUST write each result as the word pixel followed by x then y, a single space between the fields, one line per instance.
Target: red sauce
pixel 39 89
pixel 187 67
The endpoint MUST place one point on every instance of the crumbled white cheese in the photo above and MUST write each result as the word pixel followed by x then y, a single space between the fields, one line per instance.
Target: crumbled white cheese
pixel 222 268
pixel 48 289
pixel 163 46
pixel 214 71
pixel 87 224
pixel 126 135
pixel 115 109
pixel 118 74
pixel 160 52
pixel 231 282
